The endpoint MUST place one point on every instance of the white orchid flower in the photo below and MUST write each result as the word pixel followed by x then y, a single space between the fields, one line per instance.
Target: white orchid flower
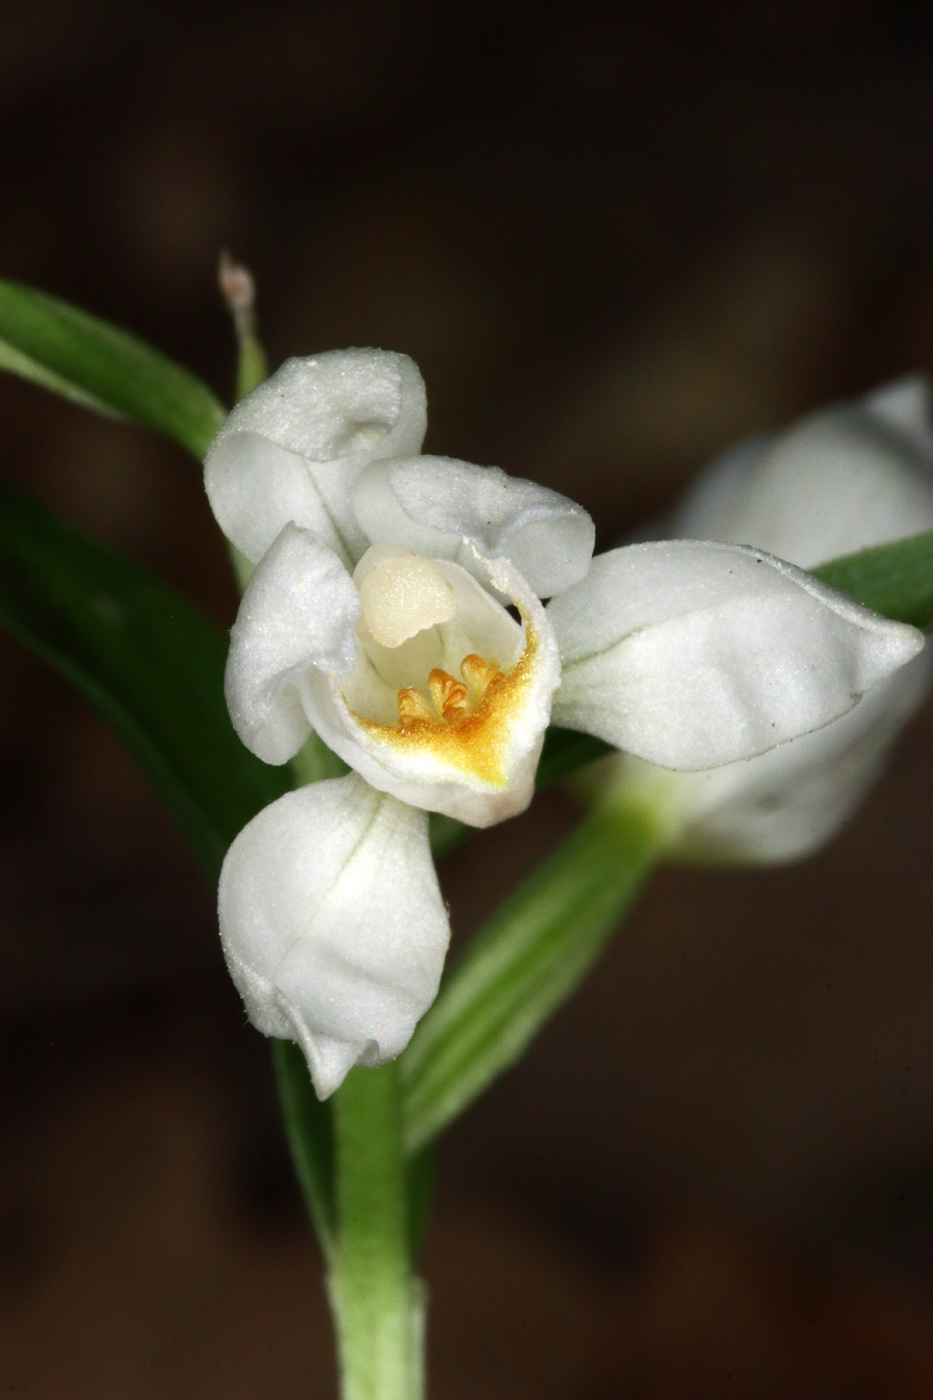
pixel 378 616
pixel 858 475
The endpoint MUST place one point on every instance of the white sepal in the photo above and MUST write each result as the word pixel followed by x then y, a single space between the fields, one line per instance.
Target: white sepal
pixel 693 655
pixel 297 615
pixel 293 448
pixel 333 926
pixel 482 775
pixel 455 510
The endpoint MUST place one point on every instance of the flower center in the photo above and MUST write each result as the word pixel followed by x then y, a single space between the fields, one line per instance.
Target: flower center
pixel 443 669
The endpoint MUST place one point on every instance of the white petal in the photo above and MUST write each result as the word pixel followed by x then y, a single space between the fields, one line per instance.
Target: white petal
pixel 786 803
pixel 433 505
pixel 844 480
pixel 333 925
pixel 297 614
pixel 692 655
pixel 294 447
pixel 482 773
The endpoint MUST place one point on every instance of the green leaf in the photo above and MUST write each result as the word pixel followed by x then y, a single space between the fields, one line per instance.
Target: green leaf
pixel 309 1125
pixel 95 364
pixel 894 579
pixel 153 666
pixel 150 662
pixel 446 832
pixel 420 1173
pixel 314 762
pixel 564 751
pixel 530 957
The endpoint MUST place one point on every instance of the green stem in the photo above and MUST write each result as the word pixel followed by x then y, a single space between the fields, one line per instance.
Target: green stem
pixel 376 1301
pixel 526 962
pixel 252 367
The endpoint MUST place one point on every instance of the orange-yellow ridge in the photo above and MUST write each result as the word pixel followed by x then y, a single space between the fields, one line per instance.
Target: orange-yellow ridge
pixel 465 725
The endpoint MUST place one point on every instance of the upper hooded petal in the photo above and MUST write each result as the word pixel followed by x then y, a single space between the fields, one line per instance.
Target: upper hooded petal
pixel 480 771
pixel 693 655
pixel 452 510
pixel 846 479
pixel 297 615
pixel 333 925
pixel 293 448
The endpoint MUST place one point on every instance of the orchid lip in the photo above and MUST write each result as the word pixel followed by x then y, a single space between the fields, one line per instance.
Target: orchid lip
pixel 465 726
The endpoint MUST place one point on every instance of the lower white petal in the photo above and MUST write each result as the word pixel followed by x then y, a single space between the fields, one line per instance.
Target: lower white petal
pixel 693 655
pixel 333 925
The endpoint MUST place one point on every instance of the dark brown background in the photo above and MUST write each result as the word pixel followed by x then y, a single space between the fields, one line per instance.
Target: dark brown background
pixel 615 238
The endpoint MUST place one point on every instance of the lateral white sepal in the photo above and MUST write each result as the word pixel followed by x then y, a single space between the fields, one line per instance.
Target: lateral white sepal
pixel 693 654
pixel 332 924
pixel 297 615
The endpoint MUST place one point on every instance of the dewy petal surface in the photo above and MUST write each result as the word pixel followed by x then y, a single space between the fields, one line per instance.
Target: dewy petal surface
pixel 293 448
pixel 693 655
pixel 333 925
pixel 298 614
pixel 441 507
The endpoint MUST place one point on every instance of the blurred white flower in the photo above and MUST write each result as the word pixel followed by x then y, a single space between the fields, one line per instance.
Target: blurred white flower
pixel 378 615
pixel 855 476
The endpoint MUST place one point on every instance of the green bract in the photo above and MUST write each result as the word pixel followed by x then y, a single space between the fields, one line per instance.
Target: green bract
pixel 103 368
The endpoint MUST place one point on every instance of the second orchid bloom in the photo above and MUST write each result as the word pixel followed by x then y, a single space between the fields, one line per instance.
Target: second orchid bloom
pixel 398 609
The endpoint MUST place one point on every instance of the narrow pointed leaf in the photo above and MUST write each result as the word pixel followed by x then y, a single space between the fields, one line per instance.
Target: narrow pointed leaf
pixel 530 957
pixel 309 1125
pixel 894 579
pixel 74 354
pixel 149 661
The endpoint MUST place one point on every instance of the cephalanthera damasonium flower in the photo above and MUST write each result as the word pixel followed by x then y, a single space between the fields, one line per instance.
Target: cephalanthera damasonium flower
pixel 857 475
pixel 378 615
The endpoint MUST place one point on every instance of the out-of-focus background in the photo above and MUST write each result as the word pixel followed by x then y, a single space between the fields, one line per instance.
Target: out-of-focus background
pixel 615 237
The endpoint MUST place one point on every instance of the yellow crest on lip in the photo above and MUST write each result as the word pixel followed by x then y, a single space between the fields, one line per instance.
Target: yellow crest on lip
pixel 464 725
